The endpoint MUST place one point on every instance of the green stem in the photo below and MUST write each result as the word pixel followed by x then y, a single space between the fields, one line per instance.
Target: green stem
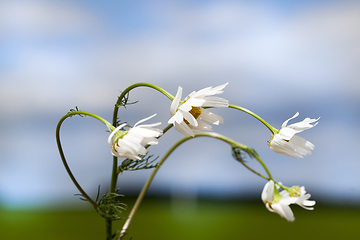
pixel 167 154
pixel 252 170
pixel 271 128
pixel 127 90
pixel 264 166
pixel 119 103
pixel 62 155
pixel 108 226
pixel 114 176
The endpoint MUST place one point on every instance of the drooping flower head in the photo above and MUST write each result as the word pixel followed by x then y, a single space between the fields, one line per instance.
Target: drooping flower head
pixel 279 202
pixel 287 143
pixel 185 114
pixel 128 144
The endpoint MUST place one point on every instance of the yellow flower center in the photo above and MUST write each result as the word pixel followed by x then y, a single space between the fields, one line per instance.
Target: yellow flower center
pixel 195 111
pixel 295 191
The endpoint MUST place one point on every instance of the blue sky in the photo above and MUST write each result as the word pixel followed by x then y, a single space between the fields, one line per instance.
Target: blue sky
pixel 278 57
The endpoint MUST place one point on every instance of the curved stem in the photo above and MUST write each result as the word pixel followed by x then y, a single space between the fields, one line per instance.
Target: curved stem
pixel 62 155
pixel 127 90
pixel 264 166
pixel 151 177
pixel 271 128
pixel 115 173
pixel 252 170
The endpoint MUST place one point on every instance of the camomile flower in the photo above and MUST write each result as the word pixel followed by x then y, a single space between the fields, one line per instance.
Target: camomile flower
pixel 286 142
pixel 300 196
pixel 186 114
pixel 279 202
pixel 128 144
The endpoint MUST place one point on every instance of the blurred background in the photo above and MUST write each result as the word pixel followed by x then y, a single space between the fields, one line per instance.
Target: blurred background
pixel 279 57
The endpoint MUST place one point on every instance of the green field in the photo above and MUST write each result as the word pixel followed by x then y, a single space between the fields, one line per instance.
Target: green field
pixel 165 220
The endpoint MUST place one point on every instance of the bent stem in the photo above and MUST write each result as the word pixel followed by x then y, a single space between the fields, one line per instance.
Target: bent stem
pixel 62 155
pixel 167 154
pixel 114 173
pixel 271 128
pixel 128 89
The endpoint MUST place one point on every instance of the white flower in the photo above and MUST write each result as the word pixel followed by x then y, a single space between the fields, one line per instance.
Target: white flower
pixel 300 196
pixel 279 202
pixel 285 142
pixel 128 144
pixel 185 114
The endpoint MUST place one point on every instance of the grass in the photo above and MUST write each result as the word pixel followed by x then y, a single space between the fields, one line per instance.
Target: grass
pixel 163 220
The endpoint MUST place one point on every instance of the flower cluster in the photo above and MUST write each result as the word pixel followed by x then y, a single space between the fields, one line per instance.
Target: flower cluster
pixel 191 115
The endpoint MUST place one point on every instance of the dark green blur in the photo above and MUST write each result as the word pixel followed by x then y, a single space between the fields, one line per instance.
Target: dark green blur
pixel 161 219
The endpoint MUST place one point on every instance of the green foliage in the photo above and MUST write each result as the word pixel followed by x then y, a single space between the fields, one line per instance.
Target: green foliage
pixel 132 165
pixel 110 205
pixel 240 154
pixel 75 110
pixel 125 101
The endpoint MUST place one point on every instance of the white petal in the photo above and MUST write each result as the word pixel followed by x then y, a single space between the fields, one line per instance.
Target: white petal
pixel 210 117
pixel 209 91
pixel 176 101
pixel 278 145
pixel 268 207
pixel 285 123
pixel 201 127
pixel 124 145
pixel 192 102
pixel 127 155
pixel 149 125
pixel 146 132
pixel 113 133
pixel 150 141
pixel 302 146
pixel 267 194
pixel 287 212
pixel 303 125
pixel 219 88
pixel 215 102
pixel 201 93
pixel 145 119
pixel 178 117
pixel 183 128
pixel 286 133
pixel 284 194
pixel 190 118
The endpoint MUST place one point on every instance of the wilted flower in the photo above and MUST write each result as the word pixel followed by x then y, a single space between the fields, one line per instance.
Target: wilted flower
pixel 128 144
pixel 287 143
pixel 279 202
pixel 185 114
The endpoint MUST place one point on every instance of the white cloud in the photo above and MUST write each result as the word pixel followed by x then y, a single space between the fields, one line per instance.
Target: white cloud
pixel 39 18
pixel 247 44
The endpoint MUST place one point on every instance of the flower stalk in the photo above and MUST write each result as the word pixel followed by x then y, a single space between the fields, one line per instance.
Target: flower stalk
pixel 62 155
pixel 271 128
pixel 122 101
